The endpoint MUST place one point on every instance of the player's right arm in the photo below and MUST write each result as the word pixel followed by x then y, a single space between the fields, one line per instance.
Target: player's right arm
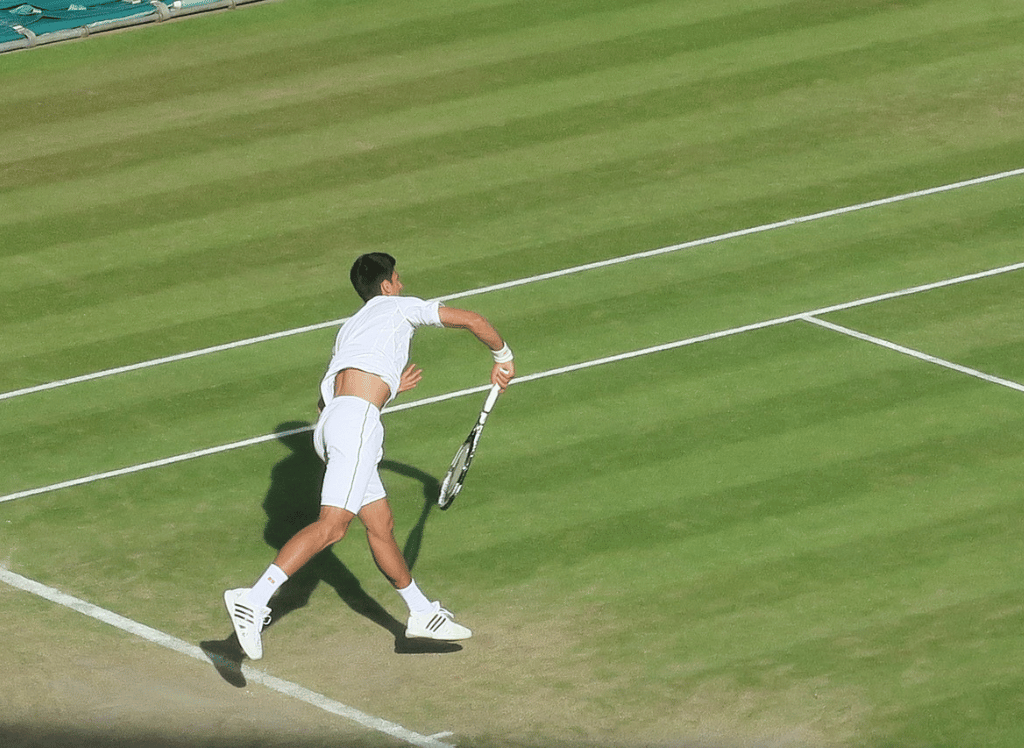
pixel 463 319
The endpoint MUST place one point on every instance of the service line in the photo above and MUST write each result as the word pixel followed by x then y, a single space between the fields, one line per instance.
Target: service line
pixel 913 353
pixel 524 281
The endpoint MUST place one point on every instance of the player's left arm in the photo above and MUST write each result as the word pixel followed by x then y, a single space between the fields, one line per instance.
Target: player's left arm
pixel 504 368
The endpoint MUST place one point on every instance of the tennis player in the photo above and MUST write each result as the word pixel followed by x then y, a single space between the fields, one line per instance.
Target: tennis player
pixel 367 370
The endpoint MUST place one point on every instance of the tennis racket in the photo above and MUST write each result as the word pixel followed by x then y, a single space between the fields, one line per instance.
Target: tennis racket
pixel 456 475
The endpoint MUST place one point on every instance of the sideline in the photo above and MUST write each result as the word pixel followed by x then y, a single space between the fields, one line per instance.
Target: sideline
pixel 810 316
pixel 524 281
pixel 251 674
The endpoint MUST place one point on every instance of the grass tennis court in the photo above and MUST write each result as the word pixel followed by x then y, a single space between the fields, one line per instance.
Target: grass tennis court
pixel 792 518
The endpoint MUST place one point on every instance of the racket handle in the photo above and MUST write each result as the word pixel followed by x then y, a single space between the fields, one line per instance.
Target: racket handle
pixel 492 396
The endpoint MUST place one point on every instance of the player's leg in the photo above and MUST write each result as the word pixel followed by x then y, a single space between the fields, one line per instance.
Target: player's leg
pixel 348 437
pixel 351 443
pixel 328 529
pixel 248 609
pixel 380 534
pixel 427 620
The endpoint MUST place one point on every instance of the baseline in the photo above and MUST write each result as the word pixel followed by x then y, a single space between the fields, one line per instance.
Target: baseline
pixel 524 281
pixel 167 641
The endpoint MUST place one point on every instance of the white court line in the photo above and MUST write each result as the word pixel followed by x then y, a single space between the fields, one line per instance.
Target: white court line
pixel 251 674
pixel 806 316
pixel 911 352
pixel 771 322
pixel 524 281
pixel 212 450
pixel 165 360
pixel 154 464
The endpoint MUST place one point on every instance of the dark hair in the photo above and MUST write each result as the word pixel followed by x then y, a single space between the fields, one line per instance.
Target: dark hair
pixel 369 271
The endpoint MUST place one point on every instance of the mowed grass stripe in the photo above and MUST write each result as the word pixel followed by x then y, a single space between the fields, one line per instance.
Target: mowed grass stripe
pixel 627 106
pixel 460 69
pixel 170 273
pixel 644 154
pixel 242 99
pixel 27 268
pixel 696 28
pixel 270 41
pixel 796 264
pixel 355 185
pixel 163 276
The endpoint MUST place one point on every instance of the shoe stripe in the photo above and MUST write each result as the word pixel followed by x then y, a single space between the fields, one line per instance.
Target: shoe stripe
pixel 247 616
pixel 440 625
pixel 245 613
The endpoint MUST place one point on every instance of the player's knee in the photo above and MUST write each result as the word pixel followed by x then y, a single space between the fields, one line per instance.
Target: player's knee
pixel 333 527
pixel 383 529
pixel 378 519
pixel 332 534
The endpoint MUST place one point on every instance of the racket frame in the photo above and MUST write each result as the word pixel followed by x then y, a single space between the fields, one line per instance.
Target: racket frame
pixel 454 478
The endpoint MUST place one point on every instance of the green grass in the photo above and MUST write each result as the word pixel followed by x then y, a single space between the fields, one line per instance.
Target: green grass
pixel 783 537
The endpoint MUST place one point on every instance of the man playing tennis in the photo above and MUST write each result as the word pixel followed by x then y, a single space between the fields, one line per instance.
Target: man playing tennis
pixel 367 370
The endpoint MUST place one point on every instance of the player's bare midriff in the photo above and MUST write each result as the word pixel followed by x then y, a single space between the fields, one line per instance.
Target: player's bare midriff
pixel 362 384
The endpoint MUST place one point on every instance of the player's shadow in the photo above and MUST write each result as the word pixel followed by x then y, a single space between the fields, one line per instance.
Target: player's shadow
pixel 293 502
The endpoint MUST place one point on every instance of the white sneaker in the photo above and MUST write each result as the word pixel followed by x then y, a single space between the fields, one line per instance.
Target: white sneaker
pixel 435 624
pixel 247 620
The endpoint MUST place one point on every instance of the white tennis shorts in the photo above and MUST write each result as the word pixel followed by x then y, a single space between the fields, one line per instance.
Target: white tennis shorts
pixel 349 438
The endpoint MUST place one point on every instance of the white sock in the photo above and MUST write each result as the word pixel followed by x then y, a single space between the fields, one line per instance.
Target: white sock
pixel 416 600
pixel 266 586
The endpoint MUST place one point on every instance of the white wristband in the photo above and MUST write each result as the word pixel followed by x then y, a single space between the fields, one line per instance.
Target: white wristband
pixel 503 356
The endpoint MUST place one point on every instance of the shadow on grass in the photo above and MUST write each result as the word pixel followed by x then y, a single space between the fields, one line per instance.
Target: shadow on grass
pixel 293 502
pixel 131 736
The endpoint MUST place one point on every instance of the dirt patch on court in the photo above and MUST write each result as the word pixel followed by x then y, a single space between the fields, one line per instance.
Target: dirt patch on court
pixel 72 681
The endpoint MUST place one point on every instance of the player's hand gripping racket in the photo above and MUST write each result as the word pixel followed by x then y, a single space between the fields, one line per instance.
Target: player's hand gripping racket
pixel 452 483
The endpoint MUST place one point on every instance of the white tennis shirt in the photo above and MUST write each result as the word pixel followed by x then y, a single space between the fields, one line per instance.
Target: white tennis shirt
pixel 376 339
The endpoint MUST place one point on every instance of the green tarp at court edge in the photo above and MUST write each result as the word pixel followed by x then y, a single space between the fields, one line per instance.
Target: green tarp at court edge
pixel 37 22
pixel 48 16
